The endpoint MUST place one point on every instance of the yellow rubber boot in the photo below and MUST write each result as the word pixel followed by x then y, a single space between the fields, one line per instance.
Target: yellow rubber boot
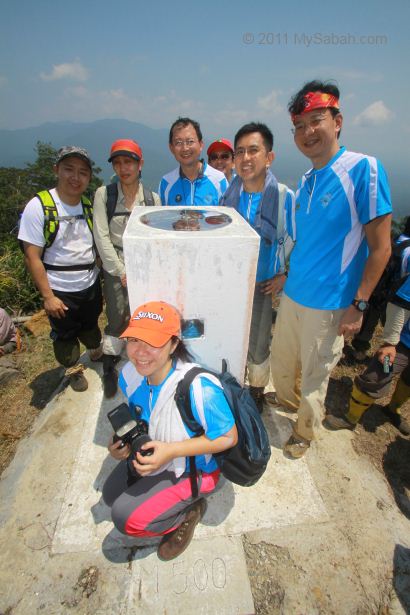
pixel 359 403
pixel 400 395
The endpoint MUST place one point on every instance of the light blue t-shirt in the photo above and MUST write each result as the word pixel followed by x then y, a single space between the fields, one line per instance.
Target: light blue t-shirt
pixel 405 334
pixel 268 260
pixel 218 416
pixel 206 189
pixel 404 290
pixel 327 223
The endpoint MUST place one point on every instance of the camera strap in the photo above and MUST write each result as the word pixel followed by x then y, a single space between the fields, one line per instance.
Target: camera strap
pixel 193 477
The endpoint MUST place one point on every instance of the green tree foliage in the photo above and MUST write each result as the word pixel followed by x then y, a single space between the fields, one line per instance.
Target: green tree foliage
pixel 17 187
pixel 18 295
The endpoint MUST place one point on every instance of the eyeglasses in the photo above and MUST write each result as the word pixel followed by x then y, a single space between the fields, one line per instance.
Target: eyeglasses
pixel 187 142
pixel 301 127
pixel 223 156
pixel 251 151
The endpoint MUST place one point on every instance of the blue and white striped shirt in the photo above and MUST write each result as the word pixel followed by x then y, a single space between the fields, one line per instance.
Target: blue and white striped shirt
pixel 327 223
pixel 206 189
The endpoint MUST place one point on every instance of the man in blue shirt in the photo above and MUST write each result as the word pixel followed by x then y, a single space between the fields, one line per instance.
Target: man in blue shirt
pixel 341 225
pixel 258 197
pixel 194 182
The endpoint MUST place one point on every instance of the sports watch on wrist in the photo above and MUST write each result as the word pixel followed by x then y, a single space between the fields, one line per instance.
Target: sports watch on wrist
pixel 360 304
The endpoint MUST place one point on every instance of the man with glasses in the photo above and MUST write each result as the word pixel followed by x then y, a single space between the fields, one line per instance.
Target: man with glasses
pixel 257 196
pixel 194 182
pixel 220 156
pixel 341 226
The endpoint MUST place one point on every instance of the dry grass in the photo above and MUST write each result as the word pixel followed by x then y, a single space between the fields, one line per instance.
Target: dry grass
pixel 22 399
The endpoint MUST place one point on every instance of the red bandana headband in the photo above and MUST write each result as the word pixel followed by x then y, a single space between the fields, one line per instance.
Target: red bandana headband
pixel 317 100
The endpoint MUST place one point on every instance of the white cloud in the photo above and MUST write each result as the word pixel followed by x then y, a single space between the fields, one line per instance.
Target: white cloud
pixel 375 114
pixel 270 102
pixel 74 70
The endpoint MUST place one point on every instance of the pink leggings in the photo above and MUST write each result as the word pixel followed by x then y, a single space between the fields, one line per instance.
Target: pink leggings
pixel 153 505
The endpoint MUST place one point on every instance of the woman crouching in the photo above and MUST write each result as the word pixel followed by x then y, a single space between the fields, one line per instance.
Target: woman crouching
pixel 160 502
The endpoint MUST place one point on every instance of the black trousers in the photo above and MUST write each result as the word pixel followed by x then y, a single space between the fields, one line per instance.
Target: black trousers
pixel 375 383
pixel 80 323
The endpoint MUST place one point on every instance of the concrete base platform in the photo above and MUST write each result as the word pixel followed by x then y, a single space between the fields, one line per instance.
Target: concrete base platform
pixel 281 546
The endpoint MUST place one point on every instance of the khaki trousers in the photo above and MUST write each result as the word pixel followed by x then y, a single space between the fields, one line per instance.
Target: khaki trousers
pixel 305 349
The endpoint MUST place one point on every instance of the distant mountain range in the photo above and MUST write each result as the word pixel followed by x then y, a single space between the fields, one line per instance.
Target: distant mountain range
pixel 17 148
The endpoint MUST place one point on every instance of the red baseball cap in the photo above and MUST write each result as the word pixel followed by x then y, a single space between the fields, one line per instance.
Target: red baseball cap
pixel 125 147
pixel 154 322
pixel 220 144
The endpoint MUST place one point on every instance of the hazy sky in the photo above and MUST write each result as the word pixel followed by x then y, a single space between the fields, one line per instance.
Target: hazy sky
pixel 221 63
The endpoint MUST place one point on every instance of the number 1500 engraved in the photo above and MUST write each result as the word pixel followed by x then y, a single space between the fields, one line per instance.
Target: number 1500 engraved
pixel 202 576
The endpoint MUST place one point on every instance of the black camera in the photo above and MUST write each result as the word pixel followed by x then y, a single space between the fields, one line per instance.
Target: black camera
pixel 129 430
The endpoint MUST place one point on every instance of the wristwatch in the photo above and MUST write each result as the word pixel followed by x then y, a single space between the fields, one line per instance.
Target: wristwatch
pixel 360 304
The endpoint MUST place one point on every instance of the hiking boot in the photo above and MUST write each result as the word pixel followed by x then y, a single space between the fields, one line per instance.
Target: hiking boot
pixel 77 380
pixel 258 396
pixel 296 446
pixel 95 354
pixel 338 422
pixel 110 375
pixel 397 420
pixel 174 543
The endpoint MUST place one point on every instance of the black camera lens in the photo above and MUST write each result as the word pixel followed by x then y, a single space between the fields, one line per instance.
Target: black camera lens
pixel 138 442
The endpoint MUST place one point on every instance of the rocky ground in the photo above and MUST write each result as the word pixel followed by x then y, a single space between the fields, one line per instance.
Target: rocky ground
pixel 358 562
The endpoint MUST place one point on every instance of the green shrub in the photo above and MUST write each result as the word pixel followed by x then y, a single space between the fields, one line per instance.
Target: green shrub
pixel 18 295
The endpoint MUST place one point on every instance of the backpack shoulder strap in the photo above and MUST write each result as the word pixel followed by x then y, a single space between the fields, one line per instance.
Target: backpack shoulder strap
pixel 148 197
pixel 87 211
pixel 112 196
pixel 183 400
pixel 51 222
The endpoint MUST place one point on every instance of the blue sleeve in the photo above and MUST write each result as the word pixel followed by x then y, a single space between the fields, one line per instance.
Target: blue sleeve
pixel 371 190
pixel 161 191
pixel 217 413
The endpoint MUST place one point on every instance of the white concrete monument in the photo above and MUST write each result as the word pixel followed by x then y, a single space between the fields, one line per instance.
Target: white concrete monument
pixel 203 261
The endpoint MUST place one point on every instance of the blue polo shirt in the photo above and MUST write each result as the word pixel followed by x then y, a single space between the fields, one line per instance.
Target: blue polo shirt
pixel 206 189
pixel 268 259
pixel 218 416
pixel 327 223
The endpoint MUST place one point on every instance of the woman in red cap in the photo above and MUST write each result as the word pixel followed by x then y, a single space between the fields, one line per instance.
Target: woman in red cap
pixel 112 207
pixel 221 156
pixel 158 500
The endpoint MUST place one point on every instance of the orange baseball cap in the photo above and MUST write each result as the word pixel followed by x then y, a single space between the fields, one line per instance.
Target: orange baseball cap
pixel 220 144
pixel 125 147
pixel 154 322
